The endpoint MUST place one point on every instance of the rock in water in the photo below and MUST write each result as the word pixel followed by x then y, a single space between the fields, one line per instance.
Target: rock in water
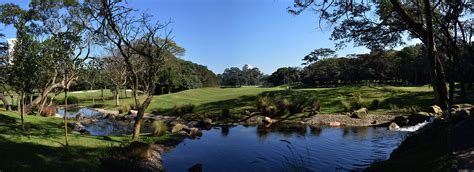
pixel 417 118
pixel 207 121
pixel 393 126
pixel 460 115
pixel 267 120
pixel 178 127
pixel 80 116
pixel 195 168
pixel 334 124
pixel 360 113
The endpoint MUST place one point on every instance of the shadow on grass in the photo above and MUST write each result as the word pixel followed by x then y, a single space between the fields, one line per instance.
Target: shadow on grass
pixel 36 157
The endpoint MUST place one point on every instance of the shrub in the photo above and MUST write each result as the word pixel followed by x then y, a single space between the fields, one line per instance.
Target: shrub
pixel 225 113
pixel 183 109
pixel 158 128
pixel 346 105
pixel 262 103
pixel 98 105
pixel 313 105
pixel 270 110
pixel 359 103
pixel 375 104
pixel 283 106
pixel 71 100
pixel 124 108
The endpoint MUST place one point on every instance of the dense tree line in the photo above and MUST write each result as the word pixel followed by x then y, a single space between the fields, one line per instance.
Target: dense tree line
pixel 237 77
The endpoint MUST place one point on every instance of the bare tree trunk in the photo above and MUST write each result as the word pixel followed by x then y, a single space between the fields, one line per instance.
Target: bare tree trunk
pixel 437 70
pixel 42 105
pixel 65 117
pixel 117 97
pixel 102 94
pixel 22 110
pixel 93 98
pixel 138 123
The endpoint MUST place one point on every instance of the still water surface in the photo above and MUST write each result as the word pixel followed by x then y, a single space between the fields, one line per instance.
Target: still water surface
pixel 283 148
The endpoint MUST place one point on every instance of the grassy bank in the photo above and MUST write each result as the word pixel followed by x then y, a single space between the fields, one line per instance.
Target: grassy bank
pixel 40 147
pixel 215 99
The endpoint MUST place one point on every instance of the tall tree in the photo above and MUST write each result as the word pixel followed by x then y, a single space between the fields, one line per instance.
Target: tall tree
pixel 139 43
pixel 385 25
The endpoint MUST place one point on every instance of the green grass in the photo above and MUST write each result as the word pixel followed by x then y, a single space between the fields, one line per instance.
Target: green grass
pixel 214 100
pixel 41 146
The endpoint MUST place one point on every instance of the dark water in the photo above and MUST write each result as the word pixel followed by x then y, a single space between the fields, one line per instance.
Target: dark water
pixel 278 148
pixel 71 113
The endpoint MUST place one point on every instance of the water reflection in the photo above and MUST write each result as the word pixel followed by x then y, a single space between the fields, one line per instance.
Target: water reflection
pixel 72 112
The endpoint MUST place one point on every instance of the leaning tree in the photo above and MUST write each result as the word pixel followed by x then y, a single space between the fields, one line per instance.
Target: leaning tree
pixel 141 43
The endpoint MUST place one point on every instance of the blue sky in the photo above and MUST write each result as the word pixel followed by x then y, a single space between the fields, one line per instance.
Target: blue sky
pixel 227 33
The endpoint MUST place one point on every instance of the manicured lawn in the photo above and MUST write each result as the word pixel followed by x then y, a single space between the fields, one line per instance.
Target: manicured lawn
pixel 41 146
pixel 216 99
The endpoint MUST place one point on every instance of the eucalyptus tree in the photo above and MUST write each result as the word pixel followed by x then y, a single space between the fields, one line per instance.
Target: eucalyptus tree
pixel 383 23
pixel 116 73
pixel 142 45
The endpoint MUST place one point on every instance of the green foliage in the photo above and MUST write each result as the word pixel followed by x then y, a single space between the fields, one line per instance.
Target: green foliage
pixel 158 128
pixel 183 109
pixel 124 108
pixel 375 104
pixel 225 113
pixel 409 109
pixel 346 105
pixel 72 100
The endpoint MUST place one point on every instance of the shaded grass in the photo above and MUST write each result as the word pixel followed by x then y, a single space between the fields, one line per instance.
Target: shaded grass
pixel 40 147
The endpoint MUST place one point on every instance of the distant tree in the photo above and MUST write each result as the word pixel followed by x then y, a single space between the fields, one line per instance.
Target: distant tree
pixel 251 76
pixel 232 77
pixel 318 54
pixel 285 75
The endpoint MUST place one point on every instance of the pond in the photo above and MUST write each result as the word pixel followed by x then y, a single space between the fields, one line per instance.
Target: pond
pixel 284 148
pixel 72 112
pixel 274 148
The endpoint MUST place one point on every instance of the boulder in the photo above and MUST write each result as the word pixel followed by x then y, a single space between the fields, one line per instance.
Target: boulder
pixel 195 168
pixel 206 121
pixel 400 121
pixel 334 124
pixel 435 109
pixel 80 116
pixel 267 120
pixel 193 124
pixel 108 112
pixel 132 112
pixel 360 113
pixel 417 118
pixel 178 127
pixel 393 126
pixel 460 115
pixel 194 132
pixel 49 111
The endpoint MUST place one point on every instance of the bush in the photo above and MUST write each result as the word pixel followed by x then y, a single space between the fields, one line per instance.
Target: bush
pixel 71 100
pixel 313 105
pixel 124 108
pixel 183 109
pixel 410 109
pixel 283 106
pixel 158 128
pixel 359 103
pixel 375 104
pixel 225 113
pixel 346 105
pixel 262 103
pixel 98 105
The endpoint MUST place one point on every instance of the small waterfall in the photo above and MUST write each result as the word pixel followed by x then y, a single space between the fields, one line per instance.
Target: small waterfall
pixel 415 127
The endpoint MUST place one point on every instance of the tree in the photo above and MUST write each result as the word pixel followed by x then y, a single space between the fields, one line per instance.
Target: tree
pixel 317 54
pixel 285 75
pixel 232 77
pixel 116 73
pixel 387 23
pixel 139 44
